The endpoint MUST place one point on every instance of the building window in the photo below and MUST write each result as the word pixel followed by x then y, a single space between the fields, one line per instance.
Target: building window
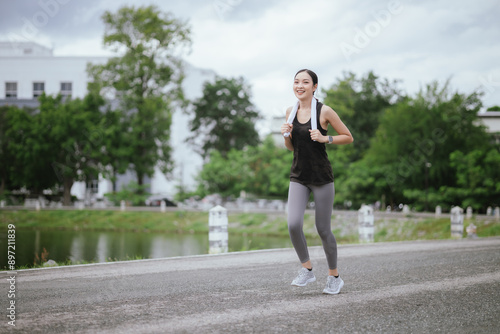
pixel 66 88
pixel 93 186
pixel 11 90
pixel 38 89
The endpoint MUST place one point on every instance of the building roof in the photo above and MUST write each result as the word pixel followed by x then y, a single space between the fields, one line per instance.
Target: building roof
pixel 24 49
pixel 489 114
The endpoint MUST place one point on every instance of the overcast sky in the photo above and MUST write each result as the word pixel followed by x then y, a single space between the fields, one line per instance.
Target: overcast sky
pixel 267 41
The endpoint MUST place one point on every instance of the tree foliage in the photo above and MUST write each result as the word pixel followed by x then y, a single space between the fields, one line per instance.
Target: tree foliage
pixel 415 138
pixel 359 102
pixel 224 117
pixel 261 170
pixel 477 178
pixel 15 137
pixel 67 135
pixel 146 78
pixel 55 146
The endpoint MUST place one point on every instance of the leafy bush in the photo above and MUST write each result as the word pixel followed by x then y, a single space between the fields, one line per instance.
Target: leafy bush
pixel 132 194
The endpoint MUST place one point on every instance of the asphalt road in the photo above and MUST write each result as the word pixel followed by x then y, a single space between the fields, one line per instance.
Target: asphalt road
pixel 449 286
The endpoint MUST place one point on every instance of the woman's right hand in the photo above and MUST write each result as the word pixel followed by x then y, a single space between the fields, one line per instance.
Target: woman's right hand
pixel 286 128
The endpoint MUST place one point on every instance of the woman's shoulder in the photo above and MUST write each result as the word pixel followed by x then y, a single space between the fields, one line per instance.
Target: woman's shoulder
pixel 327 110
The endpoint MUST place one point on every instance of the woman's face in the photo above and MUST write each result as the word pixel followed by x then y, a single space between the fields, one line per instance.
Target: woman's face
pixel 303 87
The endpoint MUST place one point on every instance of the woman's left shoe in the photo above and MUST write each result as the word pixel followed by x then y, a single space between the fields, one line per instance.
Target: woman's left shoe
pixel 333 285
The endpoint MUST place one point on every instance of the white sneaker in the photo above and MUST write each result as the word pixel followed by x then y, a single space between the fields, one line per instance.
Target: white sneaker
pixel 305 276
pixel 333 285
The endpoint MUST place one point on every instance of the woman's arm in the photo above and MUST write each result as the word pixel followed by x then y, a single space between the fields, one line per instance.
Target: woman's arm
pixel 287 128
pixel 343 136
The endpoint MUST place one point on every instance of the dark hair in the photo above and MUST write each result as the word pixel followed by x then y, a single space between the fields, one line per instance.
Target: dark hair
pixel 311 73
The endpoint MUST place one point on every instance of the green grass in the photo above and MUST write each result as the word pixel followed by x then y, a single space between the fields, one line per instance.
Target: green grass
pixel 407 228
pixel 429 229
pixel 254 224
pixel 107 220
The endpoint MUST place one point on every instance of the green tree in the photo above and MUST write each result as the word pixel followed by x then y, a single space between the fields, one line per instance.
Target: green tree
pixel 478 179
pixel 261 170
pixel 224 175
pixel 16 165
pixel 360 183
pixel 270 170
pixel 114 157
pixel 415 138
pixel 5 154
pixel 224 117
pixel 359 102
pixel 54 147
pixel 146 79
pixel 66 142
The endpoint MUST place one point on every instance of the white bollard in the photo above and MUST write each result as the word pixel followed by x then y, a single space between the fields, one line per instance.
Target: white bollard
pixel 37 205
pixel 497 212
pixel 217 230
pixel 366 227
pixel 457 222
pixel 471 231
pixel 469 212
pixel 2 204
pixel 438 211
pixel 163 206
pixel 406 209
pixel 122 205
pixel 489 211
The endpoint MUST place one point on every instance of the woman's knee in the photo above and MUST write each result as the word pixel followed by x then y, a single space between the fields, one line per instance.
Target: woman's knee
pixel 295 226
pixel 324 234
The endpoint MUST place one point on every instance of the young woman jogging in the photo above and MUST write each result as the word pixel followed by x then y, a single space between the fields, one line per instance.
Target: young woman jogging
pixel 305 133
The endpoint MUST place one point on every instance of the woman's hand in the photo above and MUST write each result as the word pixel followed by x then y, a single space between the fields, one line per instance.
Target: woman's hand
pixel 286 128
pixel 317 136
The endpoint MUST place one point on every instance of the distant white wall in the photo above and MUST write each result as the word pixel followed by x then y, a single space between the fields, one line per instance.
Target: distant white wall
pixel 491 120
pixel 188 163
pixel 50 70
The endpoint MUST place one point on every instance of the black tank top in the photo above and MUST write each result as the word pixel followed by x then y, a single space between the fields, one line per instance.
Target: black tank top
pixel 310 164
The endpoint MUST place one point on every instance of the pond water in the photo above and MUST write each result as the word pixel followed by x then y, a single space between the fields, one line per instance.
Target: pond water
pixel 94 246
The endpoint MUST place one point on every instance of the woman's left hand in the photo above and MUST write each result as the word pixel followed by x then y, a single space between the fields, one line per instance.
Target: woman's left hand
pixel 317 136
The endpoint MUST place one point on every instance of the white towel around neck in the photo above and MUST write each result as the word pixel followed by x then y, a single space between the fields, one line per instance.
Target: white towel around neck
pixel 294 112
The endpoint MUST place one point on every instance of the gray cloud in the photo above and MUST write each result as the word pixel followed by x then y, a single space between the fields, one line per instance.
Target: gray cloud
pixel 49 17
pixel 267 40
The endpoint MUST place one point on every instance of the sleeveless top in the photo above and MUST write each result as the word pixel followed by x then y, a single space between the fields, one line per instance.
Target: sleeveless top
pixel 310 164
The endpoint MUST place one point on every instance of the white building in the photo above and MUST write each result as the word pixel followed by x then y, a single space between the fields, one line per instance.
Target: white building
pixel 27 69
pixel 491 119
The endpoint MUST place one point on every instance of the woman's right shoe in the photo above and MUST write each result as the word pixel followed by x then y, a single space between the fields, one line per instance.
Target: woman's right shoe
pixel 305 276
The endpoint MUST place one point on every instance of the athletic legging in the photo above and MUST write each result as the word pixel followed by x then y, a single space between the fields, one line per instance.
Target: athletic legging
pixel 298 196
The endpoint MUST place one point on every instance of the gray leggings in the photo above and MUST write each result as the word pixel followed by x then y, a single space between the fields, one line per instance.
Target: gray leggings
pixel 298 196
